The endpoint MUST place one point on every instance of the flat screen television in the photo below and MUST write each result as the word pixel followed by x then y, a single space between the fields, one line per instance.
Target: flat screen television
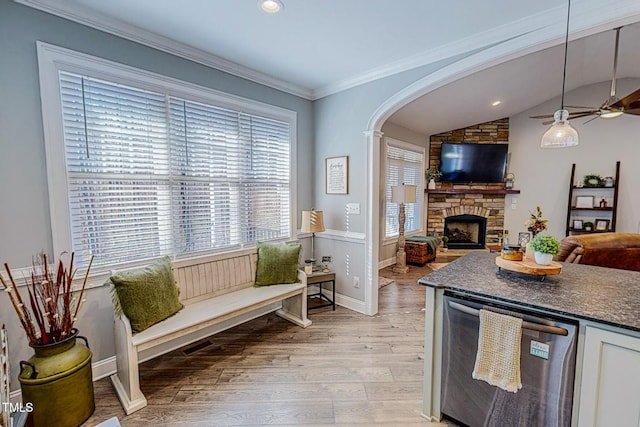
pixel 481 163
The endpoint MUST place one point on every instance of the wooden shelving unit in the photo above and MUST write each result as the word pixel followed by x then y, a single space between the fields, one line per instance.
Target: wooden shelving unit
pixel 611 210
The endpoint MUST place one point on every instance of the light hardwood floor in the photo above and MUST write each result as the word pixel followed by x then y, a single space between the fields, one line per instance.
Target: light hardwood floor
pixel 346 369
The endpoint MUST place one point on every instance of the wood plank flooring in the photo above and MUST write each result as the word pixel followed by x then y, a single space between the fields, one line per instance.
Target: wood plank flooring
pixel 346 369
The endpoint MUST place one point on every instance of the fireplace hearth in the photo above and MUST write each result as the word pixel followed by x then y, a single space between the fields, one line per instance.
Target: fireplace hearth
pixel 465 231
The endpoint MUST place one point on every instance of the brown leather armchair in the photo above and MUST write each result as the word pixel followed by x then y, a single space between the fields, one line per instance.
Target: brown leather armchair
pixel 614 250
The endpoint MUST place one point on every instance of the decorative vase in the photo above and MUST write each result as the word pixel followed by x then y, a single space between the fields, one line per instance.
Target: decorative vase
pixel 432 184
pixel 528 253
pixel 542 258
pixel 57 381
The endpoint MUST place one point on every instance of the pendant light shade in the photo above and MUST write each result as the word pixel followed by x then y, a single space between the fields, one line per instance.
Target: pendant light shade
pixel 561 134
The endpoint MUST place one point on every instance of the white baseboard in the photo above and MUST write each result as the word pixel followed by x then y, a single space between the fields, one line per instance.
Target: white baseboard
pixel 104 368
pixel 350 303
pixel 386 263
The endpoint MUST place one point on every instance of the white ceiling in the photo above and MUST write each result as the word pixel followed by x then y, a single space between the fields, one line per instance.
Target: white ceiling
pixel 314 48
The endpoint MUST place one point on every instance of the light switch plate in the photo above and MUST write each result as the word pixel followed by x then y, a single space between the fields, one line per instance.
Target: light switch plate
pixel 353 208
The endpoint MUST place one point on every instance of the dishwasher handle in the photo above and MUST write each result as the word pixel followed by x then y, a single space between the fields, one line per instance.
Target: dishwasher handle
pixel 532 326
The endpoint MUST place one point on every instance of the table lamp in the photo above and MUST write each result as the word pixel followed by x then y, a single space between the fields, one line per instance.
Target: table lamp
pixel 312 222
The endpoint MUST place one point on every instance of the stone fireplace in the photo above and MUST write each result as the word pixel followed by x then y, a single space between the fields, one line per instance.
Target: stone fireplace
pixel 486 201
pixel 465 231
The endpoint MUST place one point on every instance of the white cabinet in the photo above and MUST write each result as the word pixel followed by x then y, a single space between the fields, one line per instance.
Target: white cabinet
pixel 610 382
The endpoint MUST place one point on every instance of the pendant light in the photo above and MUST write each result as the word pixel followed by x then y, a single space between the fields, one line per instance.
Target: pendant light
pixel 561 134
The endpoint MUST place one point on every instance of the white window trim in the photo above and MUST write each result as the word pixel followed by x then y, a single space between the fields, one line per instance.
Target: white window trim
pixel 408 146
pixel 53 59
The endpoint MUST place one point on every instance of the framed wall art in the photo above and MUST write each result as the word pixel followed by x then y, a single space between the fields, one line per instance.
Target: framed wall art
pixel 584 202
pixel 336 175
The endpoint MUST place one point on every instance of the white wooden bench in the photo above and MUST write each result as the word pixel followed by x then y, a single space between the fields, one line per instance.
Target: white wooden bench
pixel 218 293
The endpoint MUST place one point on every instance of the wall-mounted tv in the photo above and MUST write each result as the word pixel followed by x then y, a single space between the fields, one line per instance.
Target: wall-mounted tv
pixel 480 163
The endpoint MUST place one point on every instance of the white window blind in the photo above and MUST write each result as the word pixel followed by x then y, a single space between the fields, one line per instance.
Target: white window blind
pixel 404 164
pixel 149 174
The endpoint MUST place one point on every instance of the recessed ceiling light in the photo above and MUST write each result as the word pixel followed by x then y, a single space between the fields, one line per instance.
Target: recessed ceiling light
pixel 496 103
pixel 271 6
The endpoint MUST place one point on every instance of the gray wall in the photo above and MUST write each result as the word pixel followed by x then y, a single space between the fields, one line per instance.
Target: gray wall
pixel 543 175
pixel 24 212
pixel 340 121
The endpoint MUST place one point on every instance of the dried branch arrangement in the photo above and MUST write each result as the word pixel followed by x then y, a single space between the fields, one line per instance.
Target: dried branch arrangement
pixel 52 305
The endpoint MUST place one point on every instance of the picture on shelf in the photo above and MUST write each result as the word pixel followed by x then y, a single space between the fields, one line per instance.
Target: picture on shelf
pixel 602 224
pixel 577 224
pixel 584 202
pixel 524 238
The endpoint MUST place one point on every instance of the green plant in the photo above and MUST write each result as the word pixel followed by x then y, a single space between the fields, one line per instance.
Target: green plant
pixel 588 225
pixel 545 244
pixel 445 241
pixel 433 173
pixel 588 178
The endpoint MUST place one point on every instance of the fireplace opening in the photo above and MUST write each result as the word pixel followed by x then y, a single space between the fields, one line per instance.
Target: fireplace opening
pixel 465 231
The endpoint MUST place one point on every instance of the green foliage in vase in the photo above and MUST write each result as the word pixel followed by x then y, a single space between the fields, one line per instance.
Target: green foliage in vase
pixel 545 244
pixel 445 241
pixel 433 173
pixel 588 225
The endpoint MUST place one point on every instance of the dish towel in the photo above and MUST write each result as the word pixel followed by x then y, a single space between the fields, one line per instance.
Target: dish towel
pixel 498 357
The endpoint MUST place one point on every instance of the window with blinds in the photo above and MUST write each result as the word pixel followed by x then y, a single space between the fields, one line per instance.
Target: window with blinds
pixel 150 174
pixel 404 164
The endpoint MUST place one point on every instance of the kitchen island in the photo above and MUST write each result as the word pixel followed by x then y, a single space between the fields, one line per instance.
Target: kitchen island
pixel 605 303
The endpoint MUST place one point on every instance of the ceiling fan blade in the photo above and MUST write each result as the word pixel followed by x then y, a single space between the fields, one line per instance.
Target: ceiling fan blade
pixel 629 102
pixel 582 107
pixel 590 120
pixel 544 116
pixel 579 114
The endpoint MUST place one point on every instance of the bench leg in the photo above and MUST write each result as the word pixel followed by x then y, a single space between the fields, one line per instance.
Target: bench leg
pixel 294 309
pixel 127 381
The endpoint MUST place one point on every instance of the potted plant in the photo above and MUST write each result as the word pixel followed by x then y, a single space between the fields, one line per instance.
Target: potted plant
pixel 588 226
pixel 432 174
pixel 58 376
pixel 445 241
pixel 545 247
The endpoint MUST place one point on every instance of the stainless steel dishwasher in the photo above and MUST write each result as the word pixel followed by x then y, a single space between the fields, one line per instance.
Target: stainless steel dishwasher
pixel 548 354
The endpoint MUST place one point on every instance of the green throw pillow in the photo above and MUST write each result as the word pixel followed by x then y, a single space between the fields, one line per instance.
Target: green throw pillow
pixel 277 263
pixel 147 295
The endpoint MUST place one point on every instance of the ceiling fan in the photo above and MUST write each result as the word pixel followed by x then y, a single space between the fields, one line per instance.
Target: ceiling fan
pixel 612 107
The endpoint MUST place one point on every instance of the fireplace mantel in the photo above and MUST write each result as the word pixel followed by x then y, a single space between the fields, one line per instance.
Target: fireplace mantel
pixel 471 191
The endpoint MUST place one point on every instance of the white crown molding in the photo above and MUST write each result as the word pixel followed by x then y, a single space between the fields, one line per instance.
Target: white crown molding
pixel 547 25
pixel 89 17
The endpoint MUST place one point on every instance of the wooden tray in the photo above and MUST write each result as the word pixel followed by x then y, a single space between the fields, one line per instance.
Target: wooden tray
pixel 527 266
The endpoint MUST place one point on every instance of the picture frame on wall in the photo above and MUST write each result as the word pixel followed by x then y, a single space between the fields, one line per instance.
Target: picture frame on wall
pixel 577 224
pixel 336 175
pixel 602 224
pixel 585 202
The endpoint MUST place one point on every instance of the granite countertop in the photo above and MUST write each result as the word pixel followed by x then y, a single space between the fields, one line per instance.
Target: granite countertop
pixel 599 294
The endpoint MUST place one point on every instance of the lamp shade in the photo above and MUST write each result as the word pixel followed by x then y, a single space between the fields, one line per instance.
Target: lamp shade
pixel 312 221
pixel 561 134
pixel 403 193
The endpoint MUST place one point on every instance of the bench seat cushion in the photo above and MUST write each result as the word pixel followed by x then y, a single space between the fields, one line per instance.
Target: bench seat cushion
pixel 210 311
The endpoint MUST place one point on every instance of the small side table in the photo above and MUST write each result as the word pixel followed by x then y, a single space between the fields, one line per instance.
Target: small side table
pixel 320 278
